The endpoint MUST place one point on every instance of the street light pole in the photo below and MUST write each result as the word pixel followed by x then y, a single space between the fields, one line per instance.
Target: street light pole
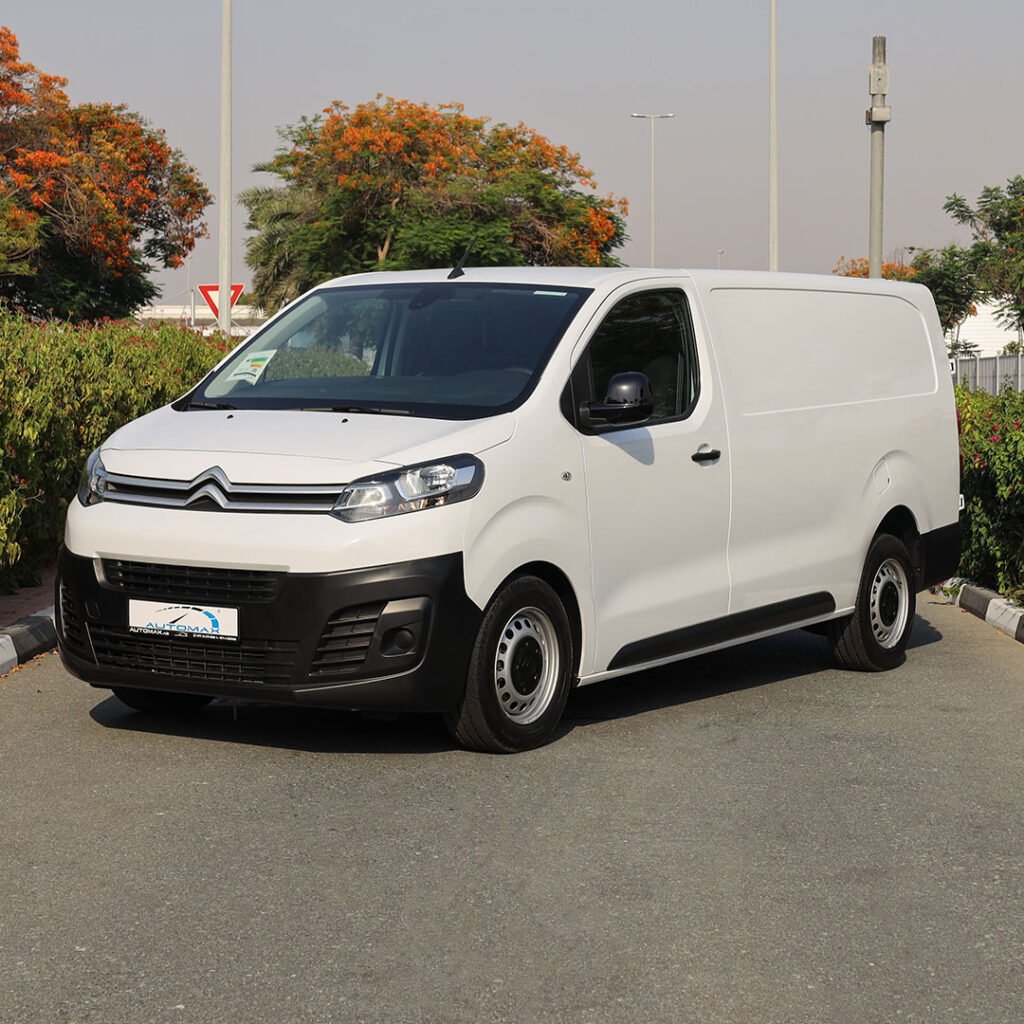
pixel 877 117
pixel 652 118
pixel 225 198
pixel 773 145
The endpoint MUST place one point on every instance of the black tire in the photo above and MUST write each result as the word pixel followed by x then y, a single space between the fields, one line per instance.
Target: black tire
pixel 874 638
pixel 514 703
pixel 160 702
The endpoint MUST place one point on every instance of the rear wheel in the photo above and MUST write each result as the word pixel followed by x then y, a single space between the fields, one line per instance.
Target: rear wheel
pixel 160 702
pixel 520 671
pixel 875 637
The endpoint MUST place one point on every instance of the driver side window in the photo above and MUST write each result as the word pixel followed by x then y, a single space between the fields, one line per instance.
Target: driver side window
pixel 650 332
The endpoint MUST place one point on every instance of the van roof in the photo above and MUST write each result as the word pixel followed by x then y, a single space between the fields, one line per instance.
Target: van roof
pixel 609 277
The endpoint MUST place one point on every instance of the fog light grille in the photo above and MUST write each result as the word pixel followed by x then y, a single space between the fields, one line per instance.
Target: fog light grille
pixel 346 639
pixel 71 625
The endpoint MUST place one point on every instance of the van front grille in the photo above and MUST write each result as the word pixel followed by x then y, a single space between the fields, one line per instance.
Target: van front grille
pixel 212 491
pixel 193 582
pixel 346 639
pixel 251 661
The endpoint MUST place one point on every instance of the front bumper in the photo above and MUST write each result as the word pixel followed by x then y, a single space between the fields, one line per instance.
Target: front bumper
pixel 395 637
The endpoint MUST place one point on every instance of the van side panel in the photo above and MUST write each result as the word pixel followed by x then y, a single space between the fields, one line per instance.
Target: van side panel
pixel 837 413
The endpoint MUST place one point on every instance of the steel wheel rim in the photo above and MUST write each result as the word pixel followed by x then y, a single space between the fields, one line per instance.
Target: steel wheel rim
pixel 889 604
pixel 526 666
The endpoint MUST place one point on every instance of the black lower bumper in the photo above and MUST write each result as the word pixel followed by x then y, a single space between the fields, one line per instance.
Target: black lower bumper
pixel 940 555
pixel 395 637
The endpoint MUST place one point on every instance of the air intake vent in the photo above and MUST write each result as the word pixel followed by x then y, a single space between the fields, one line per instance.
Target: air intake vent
pixel 346 639
pixel 193 583
pixel 71 624
pixel 253 661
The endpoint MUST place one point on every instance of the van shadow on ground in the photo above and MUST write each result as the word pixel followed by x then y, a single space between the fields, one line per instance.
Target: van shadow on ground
pixel 789 656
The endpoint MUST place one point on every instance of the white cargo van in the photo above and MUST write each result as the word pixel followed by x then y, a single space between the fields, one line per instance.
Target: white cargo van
pixel 468 495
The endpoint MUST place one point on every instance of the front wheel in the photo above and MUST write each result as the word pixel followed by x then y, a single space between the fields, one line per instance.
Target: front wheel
pixel 161 702
pixel 520 671
pixel 875 637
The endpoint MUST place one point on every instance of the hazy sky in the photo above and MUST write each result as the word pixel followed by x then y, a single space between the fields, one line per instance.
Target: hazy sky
pixel 575 71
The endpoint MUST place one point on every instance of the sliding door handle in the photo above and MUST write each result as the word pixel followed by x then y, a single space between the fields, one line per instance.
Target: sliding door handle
pixel 705 454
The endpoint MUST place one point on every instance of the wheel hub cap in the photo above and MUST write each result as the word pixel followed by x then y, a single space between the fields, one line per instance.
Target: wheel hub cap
pixel 889 603
pixel 526 666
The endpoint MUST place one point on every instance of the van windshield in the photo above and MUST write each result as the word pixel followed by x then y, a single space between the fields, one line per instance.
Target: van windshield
pixel 454 350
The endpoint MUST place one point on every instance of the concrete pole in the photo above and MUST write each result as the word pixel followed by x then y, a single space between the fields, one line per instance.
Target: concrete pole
pixel 877 117
pixel 773 144
pixel 652 118
pixel 652 191
pixel 226 198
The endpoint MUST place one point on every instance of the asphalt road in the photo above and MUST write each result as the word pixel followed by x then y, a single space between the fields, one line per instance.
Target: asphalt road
pixel 751 836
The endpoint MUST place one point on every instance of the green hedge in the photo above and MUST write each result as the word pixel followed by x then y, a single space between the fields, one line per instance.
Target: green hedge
pixel 992 445
pixel 63 389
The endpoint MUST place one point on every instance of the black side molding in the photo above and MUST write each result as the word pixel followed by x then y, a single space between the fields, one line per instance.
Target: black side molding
pixel 940 555
pixel 719 631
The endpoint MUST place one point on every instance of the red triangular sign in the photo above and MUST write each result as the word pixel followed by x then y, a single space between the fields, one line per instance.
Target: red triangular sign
pixel 209 292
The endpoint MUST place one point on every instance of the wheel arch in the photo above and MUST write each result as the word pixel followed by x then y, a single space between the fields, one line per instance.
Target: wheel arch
pixel 901 523
pixel 560 583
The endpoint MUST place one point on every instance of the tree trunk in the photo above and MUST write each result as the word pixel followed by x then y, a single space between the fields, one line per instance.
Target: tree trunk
pixel 383 250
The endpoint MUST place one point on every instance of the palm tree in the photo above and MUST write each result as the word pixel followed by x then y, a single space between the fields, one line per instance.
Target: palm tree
pixel 276 215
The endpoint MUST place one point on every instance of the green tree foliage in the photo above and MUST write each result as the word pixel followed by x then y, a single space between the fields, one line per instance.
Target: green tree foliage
pixel 398 185
pixel 997 227
pixel 951 274
pixel 91 198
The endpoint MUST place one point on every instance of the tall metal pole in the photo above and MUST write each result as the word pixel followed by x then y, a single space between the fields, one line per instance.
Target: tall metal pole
pixel 877 117
pixel 773 144
pixel 652 118
pixel 225 198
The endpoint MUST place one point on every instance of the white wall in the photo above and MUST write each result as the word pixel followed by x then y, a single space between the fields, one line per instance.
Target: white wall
pixel 985 331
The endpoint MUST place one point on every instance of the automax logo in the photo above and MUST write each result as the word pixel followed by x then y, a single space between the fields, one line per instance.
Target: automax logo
pixel 190 620
pixel 155 618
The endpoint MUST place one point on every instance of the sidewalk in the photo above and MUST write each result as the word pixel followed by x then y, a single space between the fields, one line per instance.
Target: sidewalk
pixel 26 623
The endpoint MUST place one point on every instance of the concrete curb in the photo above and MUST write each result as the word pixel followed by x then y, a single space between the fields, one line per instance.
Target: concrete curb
pixel 26 638
pixel 1005 616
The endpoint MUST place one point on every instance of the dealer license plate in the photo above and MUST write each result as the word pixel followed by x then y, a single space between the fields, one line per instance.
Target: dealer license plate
pixel 163 618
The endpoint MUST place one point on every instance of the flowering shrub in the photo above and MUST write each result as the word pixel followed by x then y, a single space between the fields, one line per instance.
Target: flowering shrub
pixel 992 445
pixel 63 389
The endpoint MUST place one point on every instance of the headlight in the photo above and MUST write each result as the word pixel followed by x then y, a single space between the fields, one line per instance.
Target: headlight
pixel 410 489
pixel 94 480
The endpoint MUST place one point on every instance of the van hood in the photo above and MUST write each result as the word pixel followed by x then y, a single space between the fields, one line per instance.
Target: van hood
pixel 291 447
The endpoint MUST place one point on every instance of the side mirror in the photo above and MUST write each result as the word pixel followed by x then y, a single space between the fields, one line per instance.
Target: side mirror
pixel 628 400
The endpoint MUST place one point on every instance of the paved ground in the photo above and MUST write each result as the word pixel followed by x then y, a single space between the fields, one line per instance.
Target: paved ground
pixel 27 600
pixel 750 837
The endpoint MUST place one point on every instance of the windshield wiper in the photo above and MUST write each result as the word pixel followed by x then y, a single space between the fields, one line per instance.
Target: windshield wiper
pixel 210 405
pixel 372 409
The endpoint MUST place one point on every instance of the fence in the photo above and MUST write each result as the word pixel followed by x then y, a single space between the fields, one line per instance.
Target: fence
pixel 989 373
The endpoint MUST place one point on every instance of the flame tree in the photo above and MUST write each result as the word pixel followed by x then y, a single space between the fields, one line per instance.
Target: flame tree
pixel 397 185
pixel 92 198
